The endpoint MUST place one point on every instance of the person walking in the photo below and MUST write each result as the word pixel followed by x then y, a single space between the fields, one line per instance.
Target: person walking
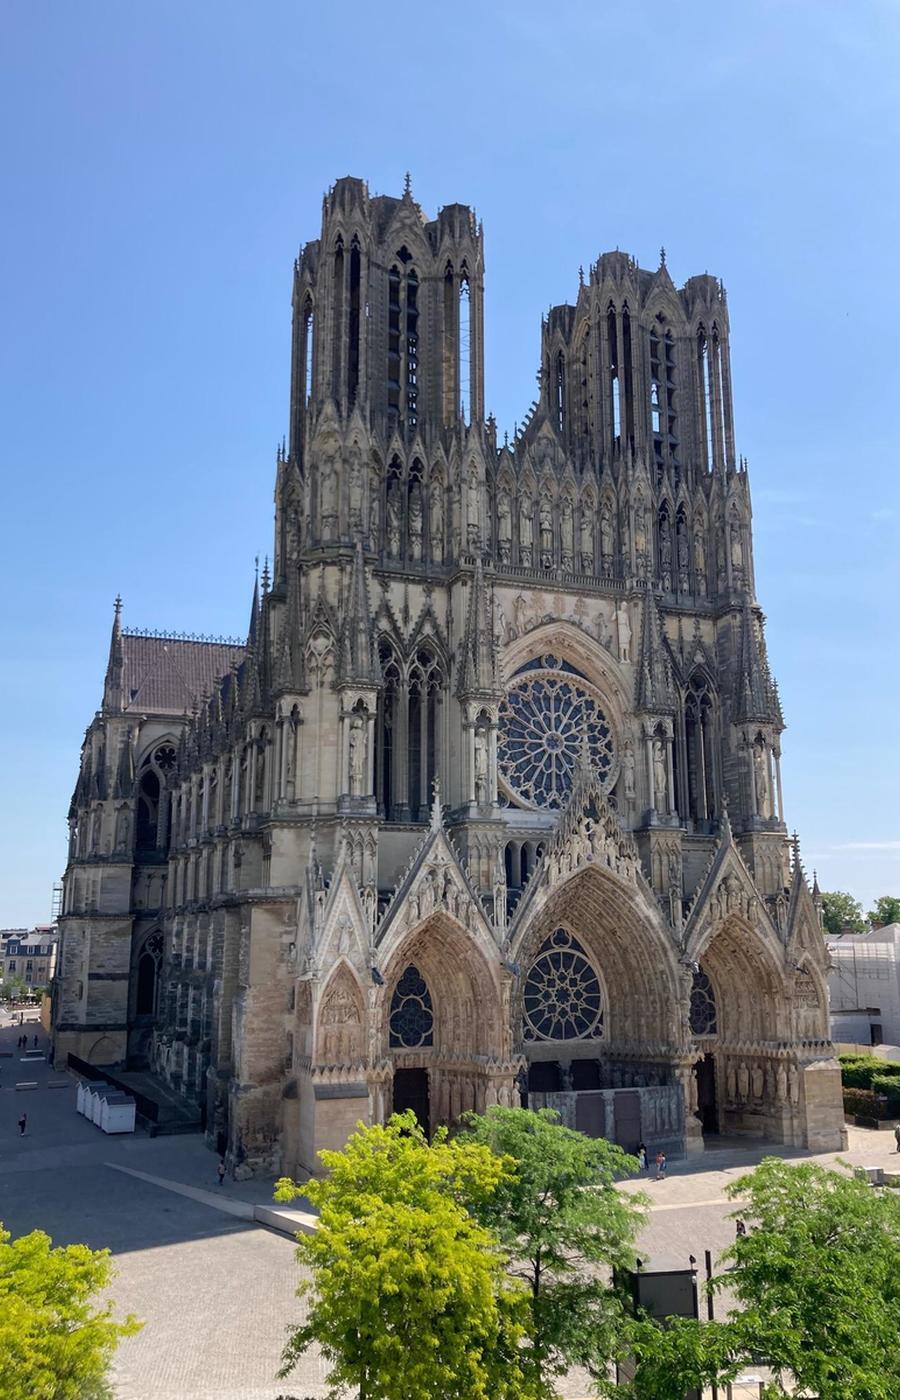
pixel 642 1157
pixel 220 1169
pixel 740 1229
pixel 897 1136
pixel 23 1124
pixel 661 1166
pixel 35 1042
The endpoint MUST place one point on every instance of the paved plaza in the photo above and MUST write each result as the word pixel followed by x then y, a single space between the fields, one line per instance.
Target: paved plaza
pixel 215 1290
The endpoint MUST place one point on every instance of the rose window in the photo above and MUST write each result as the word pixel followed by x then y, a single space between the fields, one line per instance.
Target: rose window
pixel 704 1020
pixel 562 997
pixel 545 719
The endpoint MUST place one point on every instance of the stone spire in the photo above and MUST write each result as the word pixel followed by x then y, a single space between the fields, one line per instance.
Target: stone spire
pixel 478 658
pixel 757 698
pixel 289 672
pixel 254 610
pixel 113 685
pixel 358 660
pixel 655 691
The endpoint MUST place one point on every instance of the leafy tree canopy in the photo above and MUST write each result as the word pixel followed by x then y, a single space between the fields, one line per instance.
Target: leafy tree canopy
pixel 886 911
pixel 817 1283
pixel 842 913
pixel 409 1294
pixel 559 1214
pixel 55 1344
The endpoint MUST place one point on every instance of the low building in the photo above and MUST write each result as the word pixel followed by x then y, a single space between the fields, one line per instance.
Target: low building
pixel 864 984
pixel 29 955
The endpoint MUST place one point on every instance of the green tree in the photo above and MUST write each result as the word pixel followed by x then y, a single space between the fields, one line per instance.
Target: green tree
pixel 842 913
pixel 409 1295
pixel 817 1284
pixel 565 1225
pixel 55 1344
pixel 886 911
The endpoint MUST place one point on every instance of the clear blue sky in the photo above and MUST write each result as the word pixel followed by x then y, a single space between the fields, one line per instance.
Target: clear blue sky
pixel 161 164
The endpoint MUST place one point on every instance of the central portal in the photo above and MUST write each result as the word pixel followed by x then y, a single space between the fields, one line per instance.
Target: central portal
pixel 411 1091
pixel 707 1099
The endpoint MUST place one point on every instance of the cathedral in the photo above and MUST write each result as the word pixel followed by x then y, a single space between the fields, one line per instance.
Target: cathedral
pixel 487 806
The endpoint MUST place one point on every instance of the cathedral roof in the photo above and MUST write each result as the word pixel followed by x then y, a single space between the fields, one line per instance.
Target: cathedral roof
pixel 167 675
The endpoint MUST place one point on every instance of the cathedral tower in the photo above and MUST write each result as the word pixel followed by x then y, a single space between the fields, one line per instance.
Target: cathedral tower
pixel 488 806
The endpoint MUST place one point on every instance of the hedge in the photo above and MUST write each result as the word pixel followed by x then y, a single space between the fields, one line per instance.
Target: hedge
pixel 858 1071
pixel 864 1104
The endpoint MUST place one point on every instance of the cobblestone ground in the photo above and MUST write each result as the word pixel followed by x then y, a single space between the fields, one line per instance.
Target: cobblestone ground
pixel 217 1292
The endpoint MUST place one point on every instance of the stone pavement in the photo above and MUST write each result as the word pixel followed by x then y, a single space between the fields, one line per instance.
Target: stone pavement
pixel 215 1290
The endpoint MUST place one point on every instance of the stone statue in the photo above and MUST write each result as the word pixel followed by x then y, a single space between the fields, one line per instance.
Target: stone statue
pixel 743 1082
pixel 473 514
pixel 660 776
pixel 374 510
pixel 763 796
pixel 526 531
pixel 757 1080
pixel 520 609
pixel 393 524
pixel 587 539
pixel 737 548
pixel 699 560
pixel 357 755
pixel 640 535
pixel 624 632
pixel 665 553
pixel 328 495
pixel 546 519
pixel 481 765
pixel 436 527
pixel 606 536
pixel 628 769
pixel 504 526
pixel 355 491
pixel 567 531
pixel 415 524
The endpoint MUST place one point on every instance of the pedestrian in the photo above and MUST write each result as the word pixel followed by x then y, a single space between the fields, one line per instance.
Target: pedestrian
pixel 23 1124
pixel 740 1229
pixel 897 1136
pixel 660 1166
pixel 35 1042
pixel 642 1157
pixel 221 1171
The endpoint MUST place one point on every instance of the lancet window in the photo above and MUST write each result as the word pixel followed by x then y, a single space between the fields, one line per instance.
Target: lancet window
pixel 408 729
pixel 151 836
pixel 696 777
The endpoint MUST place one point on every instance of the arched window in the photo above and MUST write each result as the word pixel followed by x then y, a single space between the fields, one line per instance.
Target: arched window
pixel 148 970
pixel 337 329
pixel 615 387
pixel 465 347
pixel 704 1017
pixel 306 352
pixel 706 411
pixel 627 376
pixel 699 735
pixel 151 835
pixel 425 684
pixel 670 407
pixel 386 729
pixel 562 999
pixel 393 366
pixel 560 392
pixel 412 349
pixel 412 1013
pixel 354 326
pixel 448 367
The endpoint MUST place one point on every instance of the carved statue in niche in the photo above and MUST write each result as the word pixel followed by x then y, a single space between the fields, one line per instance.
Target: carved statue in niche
pixel 436 524
pixel 504 526
pixel 355 490
pixel 737 550
pixel 546 520
pixel 567 532
pixel 699 558
pixel 683 557
pixel 625 542
pixel 526 531
pixel 473 514
pixel 781 1084
pixel 730 1082
pixel 481 764
pixel 374 509
pixel 393 523
pixel 665 552
pixel 587 537
pixel 761 769
pixel 415 523
pixel 357 755
pixel 121 829
pixel 328 485
pixel 660 777
pixel 624 626
pixel 720 562
pixel 757 1080
pixel 520 608
pixel 640 536
pixel 606 537
pixel 628 768
pixel 744 1082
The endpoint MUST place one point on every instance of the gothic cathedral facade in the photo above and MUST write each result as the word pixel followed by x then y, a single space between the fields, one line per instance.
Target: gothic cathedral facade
pixel 487 808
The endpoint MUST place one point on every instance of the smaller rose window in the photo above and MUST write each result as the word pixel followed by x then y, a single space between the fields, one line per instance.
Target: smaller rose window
pixel 562 998
pixel 412 1014
pixel 704 1019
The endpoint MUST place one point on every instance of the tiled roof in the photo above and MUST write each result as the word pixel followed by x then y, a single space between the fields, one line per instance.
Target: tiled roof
pixel 165 675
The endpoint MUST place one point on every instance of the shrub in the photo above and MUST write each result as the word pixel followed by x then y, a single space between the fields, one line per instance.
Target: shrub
pixel 864 1104
pixel 888 1086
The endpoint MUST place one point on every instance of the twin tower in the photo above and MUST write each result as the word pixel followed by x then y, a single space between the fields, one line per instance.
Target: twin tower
pixel 488 805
